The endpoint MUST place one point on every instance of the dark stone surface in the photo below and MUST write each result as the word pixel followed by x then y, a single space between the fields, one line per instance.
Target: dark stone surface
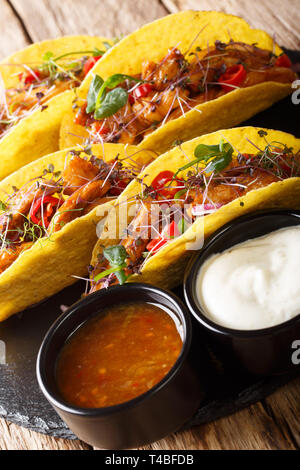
pixel 22 403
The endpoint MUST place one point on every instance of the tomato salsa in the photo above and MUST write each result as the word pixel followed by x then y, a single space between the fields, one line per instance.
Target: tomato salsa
pixel 118 355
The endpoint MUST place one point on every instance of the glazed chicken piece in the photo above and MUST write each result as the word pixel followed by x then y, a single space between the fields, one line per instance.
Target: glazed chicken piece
pixel 20 101
pixel 77 173
pixel 20 205
pixel 125 133
pixel 275 74
pixel 165 71
pixel 9 255
pixel 79 201
pixel 140 230
pixel 155 107
pixel 139 235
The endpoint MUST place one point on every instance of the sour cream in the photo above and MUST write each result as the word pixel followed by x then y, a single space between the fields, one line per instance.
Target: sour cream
pixel 255 284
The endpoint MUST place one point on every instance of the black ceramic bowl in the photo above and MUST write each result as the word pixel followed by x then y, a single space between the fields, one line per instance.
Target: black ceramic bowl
pixel 147 418
pixel 266 351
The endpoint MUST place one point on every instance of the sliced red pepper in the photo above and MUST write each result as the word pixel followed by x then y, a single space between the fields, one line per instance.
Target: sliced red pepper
pixel 156 245
pixel 283 61
pixel 119 187
pixel 234 75
pixel 98 128
pixel 161 181
pixel 140 92
pixel 50 204
pixel 90 63
pixel 169 232
pixel 30 76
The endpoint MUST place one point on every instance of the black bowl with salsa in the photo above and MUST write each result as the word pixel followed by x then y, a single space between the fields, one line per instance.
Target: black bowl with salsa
pixel 117 366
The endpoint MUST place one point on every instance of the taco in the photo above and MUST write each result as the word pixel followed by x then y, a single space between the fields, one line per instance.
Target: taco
pixel 184 75
pixel 188 193
pixel 49 217
pixel 31 105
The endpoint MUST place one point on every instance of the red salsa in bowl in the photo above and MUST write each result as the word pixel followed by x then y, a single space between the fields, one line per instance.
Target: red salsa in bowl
pixel 119 354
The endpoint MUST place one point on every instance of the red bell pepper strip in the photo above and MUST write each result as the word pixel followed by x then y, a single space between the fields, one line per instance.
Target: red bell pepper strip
pixel 99 128
pixel 43 218
pixel 30 76
pixel 90 63
pixel 119 187
pixel 283 61
pixel 234 75
pixel 171 231
pixel 140 92
pixel 162 179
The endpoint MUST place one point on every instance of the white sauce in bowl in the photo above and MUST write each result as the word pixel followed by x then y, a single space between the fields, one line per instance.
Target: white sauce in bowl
pixel 255 284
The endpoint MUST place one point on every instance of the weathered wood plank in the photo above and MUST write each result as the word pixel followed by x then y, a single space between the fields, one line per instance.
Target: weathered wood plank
pixel 281 18
pixel 13 36
pixel 52 18
pixel 284 409
pixel 269 426
pixel 13 437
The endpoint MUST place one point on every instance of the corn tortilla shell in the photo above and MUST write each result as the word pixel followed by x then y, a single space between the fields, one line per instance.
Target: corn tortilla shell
pixel 166 268
pixel 152 41
pixel 38 134
pixel 48 266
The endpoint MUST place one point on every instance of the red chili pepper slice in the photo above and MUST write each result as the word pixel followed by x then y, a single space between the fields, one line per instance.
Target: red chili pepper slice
pixel 140 92
pixel 169 232
pixel 50 204
pixel 98 128
pixel 234 75
pixel 90 63
pixel 162 179
pixel 156 245
pixel 119 187
pixel 283 61
pixel 30 76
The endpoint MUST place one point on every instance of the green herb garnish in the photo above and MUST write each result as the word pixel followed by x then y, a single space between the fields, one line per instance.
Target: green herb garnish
pixel 116 256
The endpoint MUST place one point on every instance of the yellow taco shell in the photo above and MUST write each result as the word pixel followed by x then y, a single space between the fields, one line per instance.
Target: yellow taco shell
pixel 50 264
pixel 185 30
pixel 166 268
pixel 38 134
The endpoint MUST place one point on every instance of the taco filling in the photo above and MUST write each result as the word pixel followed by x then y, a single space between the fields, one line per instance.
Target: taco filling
pixel 39 83
pixel 126 108
pixel 47 203
pixel 173 202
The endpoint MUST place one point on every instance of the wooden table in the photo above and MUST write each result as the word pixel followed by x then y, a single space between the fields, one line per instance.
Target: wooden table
pixel 274 422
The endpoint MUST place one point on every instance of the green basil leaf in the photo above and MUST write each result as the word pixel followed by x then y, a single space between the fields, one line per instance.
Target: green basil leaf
pixel 121 276
pixel 219 163
pixel 112 102
pixel 112 82
pixel 118 78
pixel 205 152
pixel 93 92
pixel 115 255
pixel 109 271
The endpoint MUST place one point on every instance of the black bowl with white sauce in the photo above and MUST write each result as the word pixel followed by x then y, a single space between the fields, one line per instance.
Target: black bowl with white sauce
pixel 244 289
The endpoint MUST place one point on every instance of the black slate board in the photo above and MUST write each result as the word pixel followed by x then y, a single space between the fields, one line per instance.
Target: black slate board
pixel 22 403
